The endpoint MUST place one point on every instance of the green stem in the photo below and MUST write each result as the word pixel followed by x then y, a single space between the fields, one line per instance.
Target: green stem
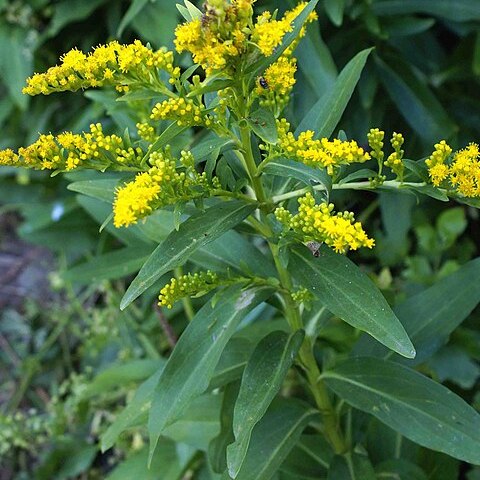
pixel 319 391
pixel 391 184
pixel 250 164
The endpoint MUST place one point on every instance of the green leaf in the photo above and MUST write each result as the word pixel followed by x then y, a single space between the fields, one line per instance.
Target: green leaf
pixel 324 116
pixel 217 450
pixel 135 7
pixel 103 189
pixel 334 10
pixel 297 24
pixel 170 460
pixel 419 408
pixel 70 11
pixel 432 315
pixel 263 123
pixel 197 231
pixel 16 61
pixel 455 10
pixel 348 293
pixel 118 376
pixel 137 407
pixel 415 101
pixel 400 469
pixel 202 150
pixel 166 136
pixel 192 363
pixel 273 438
pixel 351 467
pixel 199 424
pixel 112 265
pixel 262 379
pixel 292 169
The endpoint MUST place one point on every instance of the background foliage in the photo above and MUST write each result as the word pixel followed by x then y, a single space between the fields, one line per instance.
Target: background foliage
pixel 72 362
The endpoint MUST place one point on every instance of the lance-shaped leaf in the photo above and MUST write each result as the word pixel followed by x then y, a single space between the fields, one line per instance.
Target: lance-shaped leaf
pixel 192 364
pixel 284 167
pixel 197 231
pixel 324 116
pixel 420 409
pixel 351 467
pixel 431 316
pixel 261 381
pixel 273 438
pixel 348 293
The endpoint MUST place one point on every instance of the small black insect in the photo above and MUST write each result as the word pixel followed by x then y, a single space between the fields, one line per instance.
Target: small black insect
pixel 263 83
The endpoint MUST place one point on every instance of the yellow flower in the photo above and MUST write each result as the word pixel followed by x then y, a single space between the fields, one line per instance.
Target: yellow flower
pixel 465 171
pixel 134 200
pixel 395 159
pixel 280 76
pixel 111 64
pixel 68 151
pixel 183 110
pixel 319 223
pixel 8 157
pixel 319 152
pixel 161 185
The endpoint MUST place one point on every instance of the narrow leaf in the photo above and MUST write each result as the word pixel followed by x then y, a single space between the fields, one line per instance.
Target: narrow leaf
pixel 112 265
pixel 432 315
pixel 351 467
pixel 262 122
pixel 192 363
pixel 419 408
pixel 348 293
pixel 273 438
pixel 261 381
pixel 197 231
pixel 292 169
pixel 324 116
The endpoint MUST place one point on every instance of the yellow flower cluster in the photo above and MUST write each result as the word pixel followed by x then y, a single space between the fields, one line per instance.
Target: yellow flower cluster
pixel 8 158
pixel 182 110
pixel 189 285
pixel 463 173
pixel 161 185
pixel 268 33
pixel 111 64
pixel 318 153
pixel 226 31
pixel 436 163
pixel 68 151
pixel 319 223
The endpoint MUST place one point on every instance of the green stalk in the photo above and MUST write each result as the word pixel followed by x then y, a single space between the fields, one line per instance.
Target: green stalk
pixel 319 391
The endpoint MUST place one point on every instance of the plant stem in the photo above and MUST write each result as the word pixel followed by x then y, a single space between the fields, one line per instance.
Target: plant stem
pixel 319 391
pixel 250 164
pixel 391 184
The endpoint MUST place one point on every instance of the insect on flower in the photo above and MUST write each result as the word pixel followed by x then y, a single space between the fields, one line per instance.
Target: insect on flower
pixel 263 83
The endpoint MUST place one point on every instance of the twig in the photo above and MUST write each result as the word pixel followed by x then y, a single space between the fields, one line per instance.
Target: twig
pixel 166 327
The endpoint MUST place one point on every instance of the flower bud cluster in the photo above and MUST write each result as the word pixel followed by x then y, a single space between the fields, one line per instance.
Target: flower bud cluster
pixel 462 173
pixel 321 153
pixel 161 185
pixel 146 132
pixel 319 223
pixel 182 110
pixel 68 151
pixel 395 159
pixel 375 140
pixel 113 64
pixel 188 285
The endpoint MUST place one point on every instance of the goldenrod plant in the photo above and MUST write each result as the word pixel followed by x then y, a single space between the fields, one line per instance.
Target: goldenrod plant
pixel 245 218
